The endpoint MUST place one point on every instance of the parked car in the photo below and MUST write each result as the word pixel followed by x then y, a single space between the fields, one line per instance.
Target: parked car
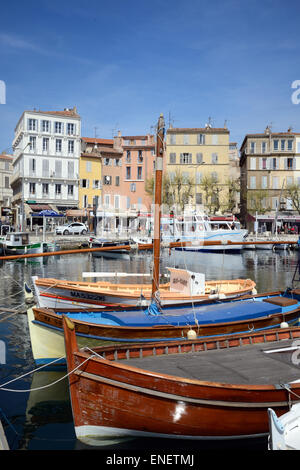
pixel 69 229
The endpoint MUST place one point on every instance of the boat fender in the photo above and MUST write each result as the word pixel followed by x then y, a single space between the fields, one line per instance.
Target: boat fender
pixel 222 296
pixel 284 324
pixel 213 296
pixel 191 334
pixel 254 291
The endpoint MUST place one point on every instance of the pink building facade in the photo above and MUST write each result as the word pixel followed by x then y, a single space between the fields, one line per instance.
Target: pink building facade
pixel 138 162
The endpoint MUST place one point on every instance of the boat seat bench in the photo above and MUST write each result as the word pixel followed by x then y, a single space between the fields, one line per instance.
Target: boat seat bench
pixel 282 301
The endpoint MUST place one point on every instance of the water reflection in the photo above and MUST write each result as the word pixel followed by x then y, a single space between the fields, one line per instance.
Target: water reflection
pixel 43 419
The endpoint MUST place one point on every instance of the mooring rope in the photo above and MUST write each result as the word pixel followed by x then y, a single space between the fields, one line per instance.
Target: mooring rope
pixel 35 370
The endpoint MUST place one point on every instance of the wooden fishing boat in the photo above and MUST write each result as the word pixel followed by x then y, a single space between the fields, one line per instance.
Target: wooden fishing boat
pixel 285 430
pixel 184 287
pixel 98 326
pixel 121 253
pixel 218 388
pixel 19 243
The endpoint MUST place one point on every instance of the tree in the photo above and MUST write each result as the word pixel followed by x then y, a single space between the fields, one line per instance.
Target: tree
pixel 233 189
pixel 177 189
pixel 255 201
pixel 292 192
pixel 211 193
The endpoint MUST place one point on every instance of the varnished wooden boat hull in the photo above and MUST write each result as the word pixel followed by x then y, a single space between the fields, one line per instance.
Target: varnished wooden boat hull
pixel 114 399
pixel 53 293
pixel 45 326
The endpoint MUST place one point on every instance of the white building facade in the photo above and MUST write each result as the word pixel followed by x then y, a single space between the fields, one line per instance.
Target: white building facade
pixel 47 147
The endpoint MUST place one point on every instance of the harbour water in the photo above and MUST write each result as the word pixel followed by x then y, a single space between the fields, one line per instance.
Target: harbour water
pixel 36 416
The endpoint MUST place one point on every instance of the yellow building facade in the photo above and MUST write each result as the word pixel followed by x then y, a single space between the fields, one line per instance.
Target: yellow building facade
pixel 201 155
pixel 90 180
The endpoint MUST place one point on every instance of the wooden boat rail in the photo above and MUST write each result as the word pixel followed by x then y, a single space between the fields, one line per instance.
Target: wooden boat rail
pixel 117 353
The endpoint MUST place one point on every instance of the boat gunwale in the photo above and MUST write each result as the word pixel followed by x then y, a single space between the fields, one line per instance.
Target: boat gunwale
pixel 113 361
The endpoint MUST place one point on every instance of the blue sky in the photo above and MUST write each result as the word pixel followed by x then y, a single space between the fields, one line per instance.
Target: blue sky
pixel 124 62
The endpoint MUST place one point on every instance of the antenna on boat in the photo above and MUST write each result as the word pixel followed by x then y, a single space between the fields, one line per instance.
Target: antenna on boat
pixel 157 202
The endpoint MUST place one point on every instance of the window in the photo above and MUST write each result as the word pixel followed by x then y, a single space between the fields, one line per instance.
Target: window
pixel 58 126
pixel 45 144
pixel 198 177
pixel 214 176
pixel 128 172
pixel 58 145
pixel 118 162
pixel 45 126
pixel 199 158
pixel 6 182
pixel 186 139
pixel 88 167
pixel 70 146
pixel 264 163
pixel 58 189
pixel 201 139
pixel 274 164
pixel 185 158
pixel 172 158
pixel 70 169
pixel 128 202
pixel 107 180
pixel 107 200
pixel 70 128
pixel 290 145
pixel 58 168
pixel 264 182
pixel 32 166
pixel 276 144
pixel 263 147
pixel 32 188
pixel 214 158
pixel 106 161
pixel 252 182
pixel 70 189
pixel 275 183
pixel 85 201
pixel 140 156
pixel 128 156
pixel 45 168
pixel 289 181
pixel 252 163
pixel 214 139
pixel 117 180
pixel 96 184
pixel 139 172
pixel 252 147
pixel 117 201
pixel 32 143
pixel 132 187
pixel 282 144
pixel 32 124
pixel 84 183
pixel 173 139
pixel 289 164
pixel 198 198
pixel 45 189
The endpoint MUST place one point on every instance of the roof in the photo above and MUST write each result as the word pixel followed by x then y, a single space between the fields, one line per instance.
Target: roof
pixel 129 137
pixel 198 129
pixel 267 135
pixel 5 156
pixel 94 140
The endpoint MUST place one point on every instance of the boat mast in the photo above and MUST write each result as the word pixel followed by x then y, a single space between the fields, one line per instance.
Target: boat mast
pixel 157 202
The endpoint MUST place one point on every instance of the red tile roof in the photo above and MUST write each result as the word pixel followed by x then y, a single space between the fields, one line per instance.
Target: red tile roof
pixel 66 112
pixel 94 140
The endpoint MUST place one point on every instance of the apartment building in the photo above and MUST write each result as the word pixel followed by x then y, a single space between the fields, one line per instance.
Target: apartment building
pixel 6 170
pixel 200 154
pixel 138 164
pixel 47 148
pixel 270 162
